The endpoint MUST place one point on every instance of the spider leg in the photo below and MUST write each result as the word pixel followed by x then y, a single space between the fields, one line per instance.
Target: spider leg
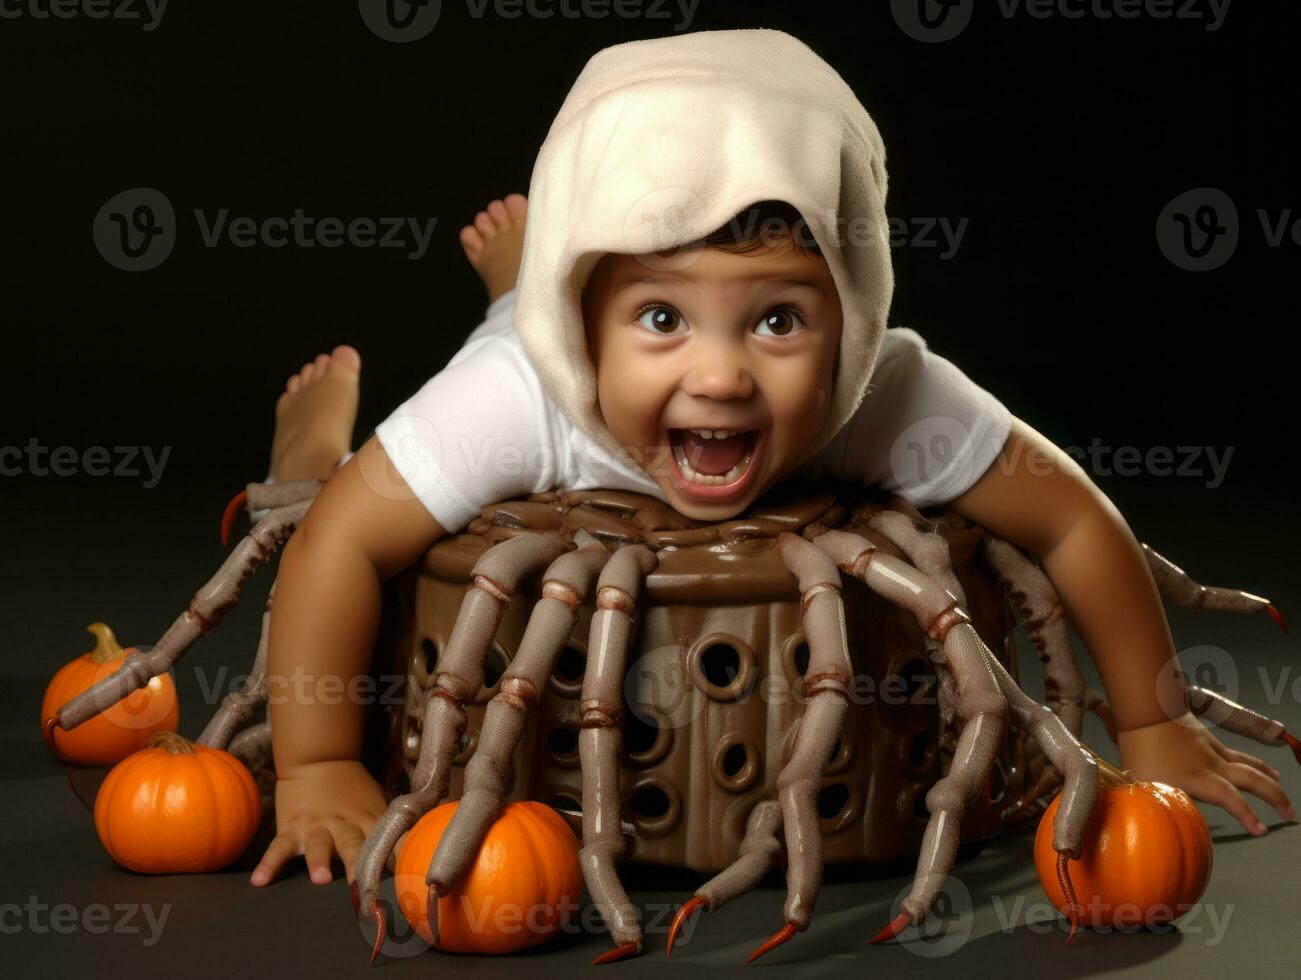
pixel 1045 626
pixel 826 683
pixel 1176 585
pixel 1233 717
pixel 206 609
pixel 980 705
pixel 600 744
pixel 756 856
pixel 237 707
pixel 495 577
pixel 565 585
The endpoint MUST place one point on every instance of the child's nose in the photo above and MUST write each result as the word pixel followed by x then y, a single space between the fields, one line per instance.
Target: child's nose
pixel 720 372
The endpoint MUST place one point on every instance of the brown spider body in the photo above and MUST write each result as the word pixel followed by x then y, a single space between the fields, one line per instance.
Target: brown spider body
pixel 714 687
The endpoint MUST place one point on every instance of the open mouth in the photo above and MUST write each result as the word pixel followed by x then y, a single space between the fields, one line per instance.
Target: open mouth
pixel 713 462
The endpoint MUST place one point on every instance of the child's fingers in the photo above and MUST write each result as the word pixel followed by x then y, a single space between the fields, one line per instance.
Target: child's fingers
pixel 1233 755
pixel 319 850
pixel 1253 781
pixel 277 853
pixel 348 839
pixel 1214 788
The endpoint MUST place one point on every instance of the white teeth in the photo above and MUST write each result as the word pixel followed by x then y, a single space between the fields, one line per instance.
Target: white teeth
pixel 710 478
pixel 716 433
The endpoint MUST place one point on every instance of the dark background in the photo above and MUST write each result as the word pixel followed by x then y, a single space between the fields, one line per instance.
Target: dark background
pixel 1059 140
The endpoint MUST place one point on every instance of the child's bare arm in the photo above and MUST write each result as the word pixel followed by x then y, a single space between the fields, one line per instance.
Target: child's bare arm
pixel 1037 497
pixel 365 526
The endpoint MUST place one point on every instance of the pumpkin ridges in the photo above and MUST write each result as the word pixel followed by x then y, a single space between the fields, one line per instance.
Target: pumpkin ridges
pixel 161 811
pixel 1143 847
pixel 517 870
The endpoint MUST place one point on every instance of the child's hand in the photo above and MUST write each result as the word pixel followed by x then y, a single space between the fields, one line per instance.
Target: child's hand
pixel 323 809
pixel 1185 754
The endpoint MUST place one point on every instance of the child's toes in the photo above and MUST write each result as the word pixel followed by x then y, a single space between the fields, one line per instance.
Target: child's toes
pixel 308 372
pixel 346 356
pixel 517 205
pixel 322 364
pixel 471 241
pixel 497 211
pixel 487 227
pixel 294 384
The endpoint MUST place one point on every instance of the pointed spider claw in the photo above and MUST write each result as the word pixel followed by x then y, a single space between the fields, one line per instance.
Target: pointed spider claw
pixel 1295 743
pixel 381 927
pixel 1277 616
pixel 680 919
pixel 895 926
pixel 620 952
pixel 1068 889
pixel 431 911
pixel 51 723
pixel 783 935
pixel 228 516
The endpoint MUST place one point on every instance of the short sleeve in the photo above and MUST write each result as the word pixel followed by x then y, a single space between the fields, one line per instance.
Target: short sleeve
pixel 924 430
pixel 475 434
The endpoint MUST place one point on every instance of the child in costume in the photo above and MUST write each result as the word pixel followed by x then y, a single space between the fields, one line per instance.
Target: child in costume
pixel 700 313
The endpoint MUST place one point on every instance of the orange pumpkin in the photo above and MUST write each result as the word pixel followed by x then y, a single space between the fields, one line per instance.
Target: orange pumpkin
pixel 177 807
pixel 1146 854
pixel 112 735
pixel 522 889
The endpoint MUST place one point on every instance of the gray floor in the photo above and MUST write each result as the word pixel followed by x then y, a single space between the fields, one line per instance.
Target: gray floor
pixel 68 910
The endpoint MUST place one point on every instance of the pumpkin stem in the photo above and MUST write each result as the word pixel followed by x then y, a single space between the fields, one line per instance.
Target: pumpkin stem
pixel 174 744
pixel 106 645
pixel 1109 775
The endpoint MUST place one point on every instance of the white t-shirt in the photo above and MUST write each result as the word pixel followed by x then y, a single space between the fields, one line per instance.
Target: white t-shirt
pixel 484 430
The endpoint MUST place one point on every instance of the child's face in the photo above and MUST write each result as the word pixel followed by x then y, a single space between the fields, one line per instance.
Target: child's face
pixel 744 343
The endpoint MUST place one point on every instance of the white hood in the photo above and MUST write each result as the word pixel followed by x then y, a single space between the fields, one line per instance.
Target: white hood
pixel 661 142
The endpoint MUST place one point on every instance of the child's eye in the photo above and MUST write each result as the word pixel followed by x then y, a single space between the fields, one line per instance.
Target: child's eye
pixel 781 322
pixel 662 320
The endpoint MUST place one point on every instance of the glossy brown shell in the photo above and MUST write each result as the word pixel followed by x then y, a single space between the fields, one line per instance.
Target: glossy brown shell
pixel 713 684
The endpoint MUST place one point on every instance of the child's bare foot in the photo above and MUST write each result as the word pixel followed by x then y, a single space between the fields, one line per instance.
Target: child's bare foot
pixel 495 243
pixel 315 416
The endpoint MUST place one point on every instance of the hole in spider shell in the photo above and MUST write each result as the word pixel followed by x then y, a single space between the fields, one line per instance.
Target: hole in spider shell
pixel 735 763
pixel 647 735
pixel 795 655
pixel 655 805
pixel 921 749
pixel 722 666
pixel 837 805
pixel 563 744
pixel 567 678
